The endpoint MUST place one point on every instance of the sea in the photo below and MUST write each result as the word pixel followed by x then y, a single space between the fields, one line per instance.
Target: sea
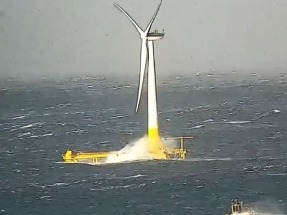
pixel 238 150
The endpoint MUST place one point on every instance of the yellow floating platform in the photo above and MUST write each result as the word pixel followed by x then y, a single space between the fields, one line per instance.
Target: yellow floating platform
pixel 85 157
pixel 101 157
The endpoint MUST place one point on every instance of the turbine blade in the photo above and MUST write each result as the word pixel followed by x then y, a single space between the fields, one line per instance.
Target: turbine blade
pixel 142 72
pixel 141 32
pixel 152 19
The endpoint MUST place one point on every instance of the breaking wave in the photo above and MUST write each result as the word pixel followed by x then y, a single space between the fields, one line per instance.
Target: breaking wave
pixel 137 150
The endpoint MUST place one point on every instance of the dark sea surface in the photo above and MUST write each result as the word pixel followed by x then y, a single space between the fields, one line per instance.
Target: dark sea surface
pixel 239 147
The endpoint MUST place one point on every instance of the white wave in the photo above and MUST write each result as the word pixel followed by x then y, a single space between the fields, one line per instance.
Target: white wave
pixel 275 111
pixel 238 122
pixel 27 126
pixel 208 120
pixel 134 176
pixel 202 106
pixel 36 185
pixel 121 86
pixel 114 187
pixel 31 125
pixel 45 135
pixel 24 134
pixel 80 131
pixel 117 117
pixel 63 105
pixel 49 108
pixel 45 197
pixel 105 142
pixel 142 185
pixel 19 117
pixel 137 150
pixel 58 184
pixel 34 136
pixel 197 126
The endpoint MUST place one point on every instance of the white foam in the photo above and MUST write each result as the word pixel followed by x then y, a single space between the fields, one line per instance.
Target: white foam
pixel 19 117
pixel 48 134
pixel 27 126
pixel 30 125
pixel 135 176
pixel 197 126
pixel 34 136
pixel 208 120
pixel 44 197
pixel 137 150
pixel 114 187
pixel 58 184
pixel 117 117
pixel 24 134
pixel 237 122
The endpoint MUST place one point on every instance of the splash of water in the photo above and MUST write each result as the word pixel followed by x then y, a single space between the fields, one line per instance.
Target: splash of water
pixel 267 207
pixel 170 143
pixel 137 150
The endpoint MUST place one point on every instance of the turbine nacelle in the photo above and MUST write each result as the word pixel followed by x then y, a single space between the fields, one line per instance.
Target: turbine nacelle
pixel 155 35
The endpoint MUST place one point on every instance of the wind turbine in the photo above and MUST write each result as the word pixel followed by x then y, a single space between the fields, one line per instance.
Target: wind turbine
pixel 156 147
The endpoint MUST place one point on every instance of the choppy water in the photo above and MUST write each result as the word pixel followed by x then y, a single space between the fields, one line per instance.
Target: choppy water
pixel 239 149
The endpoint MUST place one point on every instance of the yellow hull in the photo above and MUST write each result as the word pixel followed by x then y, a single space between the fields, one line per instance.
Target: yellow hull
pixel 157 151
pixel 85 157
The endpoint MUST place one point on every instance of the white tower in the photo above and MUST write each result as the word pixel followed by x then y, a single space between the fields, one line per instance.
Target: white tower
pixel 156 147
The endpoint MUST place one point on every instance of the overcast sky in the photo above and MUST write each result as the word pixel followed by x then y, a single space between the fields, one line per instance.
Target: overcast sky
pixel 68 37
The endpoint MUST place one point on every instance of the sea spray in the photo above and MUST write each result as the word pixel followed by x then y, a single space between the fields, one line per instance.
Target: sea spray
pixel 137 150
pixel 267 207
pixel 171 143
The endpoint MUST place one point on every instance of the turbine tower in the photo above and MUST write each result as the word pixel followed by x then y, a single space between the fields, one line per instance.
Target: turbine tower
pixel 156 147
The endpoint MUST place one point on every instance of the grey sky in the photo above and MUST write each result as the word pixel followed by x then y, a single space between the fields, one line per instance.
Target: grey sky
pixel 63 37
